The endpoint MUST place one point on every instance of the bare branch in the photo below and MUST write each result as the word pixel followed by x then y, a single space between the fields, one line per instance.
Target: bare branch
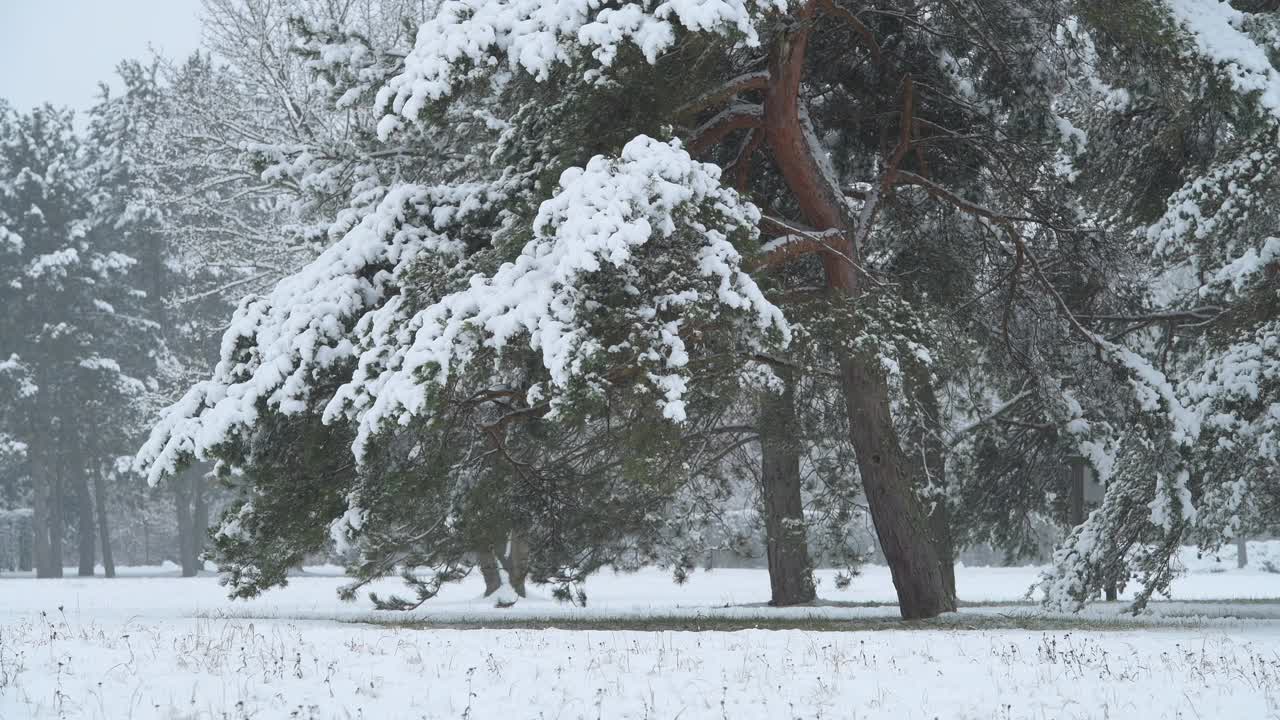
pixel 829 7
pixel 1196 314
pixel 742 83
pixel 799 241
pixel 736 117
pixel 1000 410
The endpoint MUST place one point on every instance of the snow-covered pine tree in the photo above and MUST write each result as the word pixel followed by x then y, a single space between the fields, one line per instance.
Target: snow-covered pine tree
pixel 483 218
pixel 549 106
pixel 475 306
pixel 1182 166
pixel 243 163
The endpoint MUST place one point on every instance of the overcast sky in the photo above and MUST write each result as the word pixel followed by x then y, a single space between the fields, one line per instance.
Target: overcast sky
pixel 57 50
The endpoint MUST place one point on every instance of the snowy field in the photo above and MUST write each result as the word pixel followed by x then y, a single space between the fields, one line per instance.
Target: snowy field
pixel 152 645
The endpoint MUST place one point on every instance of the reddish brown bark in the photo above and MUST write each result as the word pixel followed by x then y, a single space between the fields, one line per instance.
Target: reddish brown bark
pixel 900 519
pixel 719 127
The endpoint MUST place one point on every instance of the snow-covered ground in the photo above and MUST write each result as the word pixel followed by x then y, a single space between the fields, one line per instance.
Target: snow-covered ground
pixel 153 645
pixel 243 669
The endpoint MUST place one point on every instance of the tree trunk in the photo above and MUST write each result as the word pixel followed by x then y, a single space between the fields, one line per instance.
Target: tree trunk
pixel 901 522
pixel 85 540
pixel 517 561
pixel 786 547
pixel 186 536
pixel 931 455
pixel 940 529
pixel 1242 551
pixel 40 511
pixel 57 523
pixel 900 519
pixel 25 549
pixel 1075 492
pixel 104 533
pixel 488 563
pixel 199 521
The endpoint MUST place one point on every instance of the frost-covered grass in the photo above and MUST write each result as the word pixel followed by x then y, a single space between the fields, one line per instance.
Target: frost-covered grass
pixel 201 668
pixel 152 645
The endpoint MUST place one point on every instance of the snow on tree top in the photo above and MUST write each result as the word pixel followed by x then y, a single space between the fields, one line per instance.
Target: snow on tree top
pixel 535 35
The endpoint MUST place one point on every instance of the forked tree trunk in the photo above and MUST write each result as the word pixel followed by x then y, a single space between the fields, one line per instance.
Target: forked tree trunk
pixel 104 533
pixel 85 540
pixel 786 547
pixel 510 562
pixel 900 519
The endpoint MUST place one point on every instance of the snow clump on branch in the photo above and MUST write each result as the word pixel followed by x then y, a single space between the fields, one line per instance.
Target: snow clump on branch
pixel 624 256
pixel 534 35
pixel 628 257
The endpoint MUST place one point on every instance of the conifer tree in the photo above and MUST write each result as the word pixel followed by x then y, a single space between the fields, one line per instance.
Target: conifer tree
pixel 585 240
pixel 70 343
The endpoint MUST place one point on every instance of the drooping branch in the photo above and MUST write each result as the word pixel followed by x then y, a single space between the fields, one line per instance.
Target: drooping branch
pixel 1018 258
pixel 1191 315
pixel 1021 251
pixel 905 177
pixel 995 414
pixel 1063 308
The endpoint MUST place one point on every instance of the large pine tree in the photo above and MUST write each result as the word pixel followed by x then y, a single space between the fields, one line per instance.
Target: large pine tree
pixel 587 242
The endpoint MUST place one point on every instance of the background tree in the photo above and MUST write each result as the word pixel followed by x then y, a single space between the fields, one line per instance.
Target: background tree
pixel 75 337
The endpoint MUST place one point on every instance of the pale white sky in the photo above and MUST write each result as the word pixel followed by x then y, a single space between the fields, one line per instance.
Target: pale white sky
pixel 58 50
